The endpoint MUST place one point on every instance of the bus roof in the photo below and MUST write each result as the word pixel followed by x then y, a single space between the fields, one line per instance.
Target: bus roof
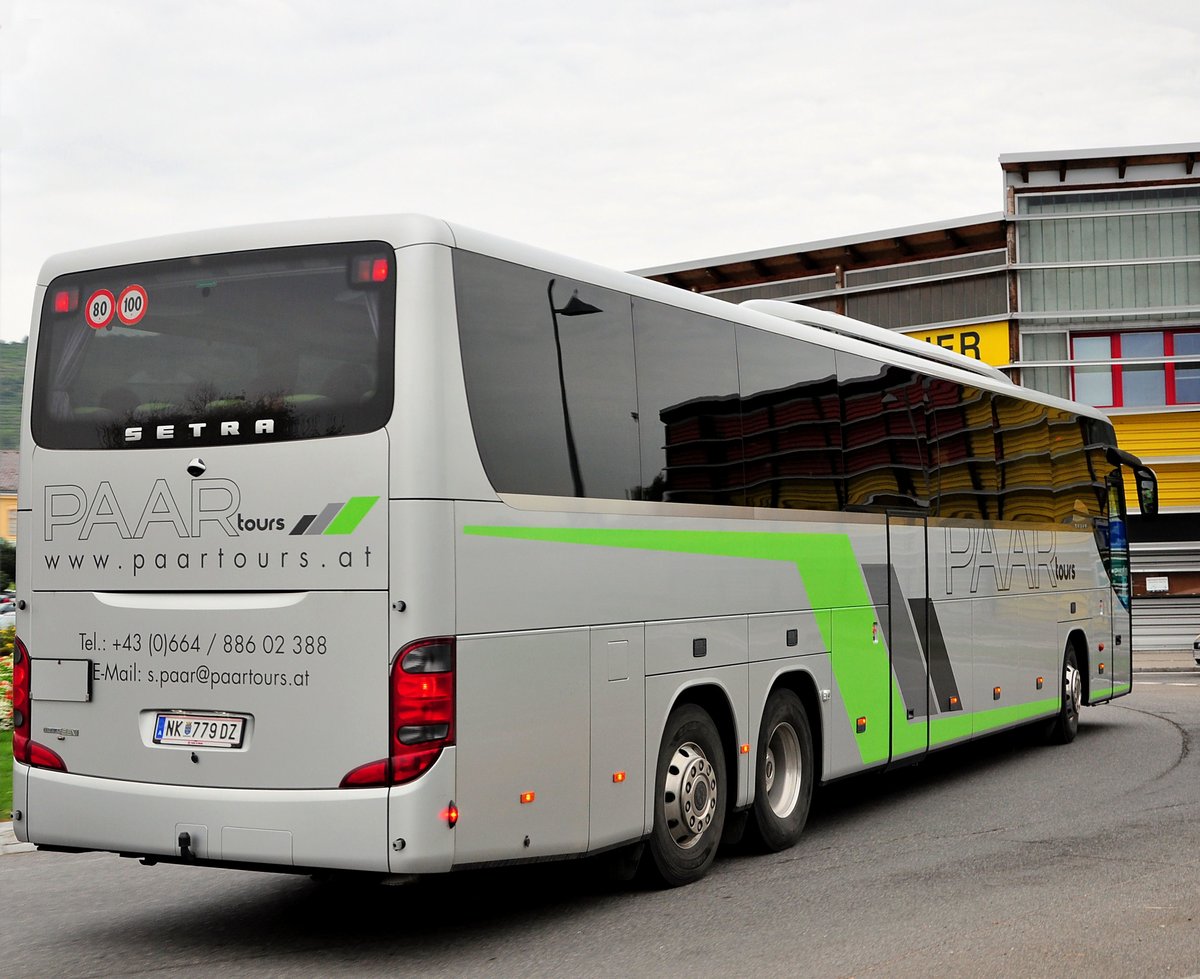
pixel 402 230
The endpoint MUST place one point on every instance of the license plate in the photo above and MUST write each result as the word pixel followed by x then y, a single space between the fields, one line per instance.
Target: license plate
pixel 200 730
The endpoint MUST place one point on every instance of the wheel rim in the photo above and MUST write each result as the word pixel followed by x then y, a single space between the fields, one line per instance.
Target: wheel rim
pixel 1072 690
pixel 689 795
pixel 784 770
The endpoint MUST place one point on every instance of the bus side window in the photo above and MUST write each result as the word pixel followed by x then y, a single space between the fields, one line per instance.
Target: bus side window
pixel 690 426
pixel 548 365
pixel 791 422
pixel 885 443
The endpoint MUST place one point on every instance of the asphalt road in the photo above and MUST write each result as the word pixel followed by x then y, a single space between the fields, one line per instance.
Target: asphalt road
pixel 1004 858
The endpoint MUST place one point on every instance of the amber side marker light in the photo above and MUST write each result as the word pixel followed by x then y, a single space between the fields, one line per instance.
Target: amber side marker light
pixel 860 725
pixel 953 703
pixel 744 749
pixel 1102 668
pixel 618 777
pixel 527 797
pixel 1041 682
pixel 995 693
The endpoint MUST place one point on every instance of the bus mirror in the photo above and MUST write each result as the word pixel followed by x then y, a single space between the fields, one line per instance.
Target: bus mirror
pixel 1147 489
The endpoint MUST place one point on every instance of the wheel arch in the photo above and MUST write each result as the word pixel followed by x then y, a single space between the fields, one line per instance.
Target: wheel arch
pixel 1077 640
pixel 715 701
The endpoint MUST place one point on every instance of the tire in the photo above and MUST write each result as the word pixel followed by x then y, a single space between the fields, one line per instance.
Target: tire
pixel 1065 726
pixel 689 799
pixel 783 778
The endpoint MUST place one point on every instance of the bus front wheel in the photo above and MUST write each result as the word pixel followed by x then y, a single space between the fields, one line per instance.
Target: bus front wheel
pixel 1065 725
pixel 689 799
pixel 783 781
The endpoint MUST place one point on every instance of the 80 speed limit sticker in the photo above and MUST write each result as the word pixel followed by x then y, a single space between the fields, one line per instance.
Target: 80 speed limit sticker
pixel 100 308
pixel 131 304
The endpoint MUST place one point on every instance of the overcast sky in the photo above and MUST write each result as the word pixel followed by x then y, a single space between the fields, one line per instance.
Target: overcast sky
pixel 630 133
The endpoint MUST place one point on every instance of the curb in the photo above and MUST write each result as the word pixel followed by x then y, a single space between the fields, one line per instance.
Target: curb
pixel 10 844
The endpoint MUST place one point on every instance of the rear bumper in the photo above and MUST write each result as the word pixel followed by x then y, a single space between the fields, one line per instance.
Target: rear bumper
pixel 345 829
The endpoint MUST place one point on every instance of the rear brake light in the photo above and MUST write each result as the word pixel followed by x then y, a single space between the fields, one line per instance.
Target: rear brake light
pixel 25 749
pixel 372 773
pixel 422 706
pixel 20 701
pixel 369 270
pixel 420 715
pixel 66 300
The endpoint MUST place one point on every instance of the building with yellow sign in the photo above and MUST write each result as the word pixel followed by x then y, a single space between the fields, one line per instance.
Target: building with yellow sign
pixel 1086 284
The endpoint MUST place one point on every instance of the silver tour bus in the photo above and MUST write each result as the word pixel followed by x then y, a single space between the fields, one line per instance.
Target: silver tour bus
pixel 384 545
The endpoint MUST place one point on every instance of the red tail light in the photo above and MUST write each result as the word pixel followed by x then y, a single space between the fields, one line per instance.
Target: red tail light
pixel 422 706
pixel 420 715
pixel 66 300
pixel 20 700
pixel 25 749
pixel 368 270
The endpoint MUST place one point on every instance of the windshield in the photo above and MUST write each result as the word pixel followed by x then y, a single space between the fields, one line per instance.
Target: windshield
pixel 219 349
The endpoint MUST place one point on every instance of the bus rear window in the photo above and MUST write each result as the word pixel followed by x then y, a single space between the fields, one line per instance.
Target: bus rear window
pixel 255 346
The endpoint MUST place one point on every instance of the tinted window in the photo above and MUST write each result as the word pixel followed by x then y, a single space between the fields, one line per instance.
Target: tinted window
pixel 1023 454
pixel 1079 467
pixel 883 419
pixel 964 478
pixel 791 422
pixel 548 364
pixel 687 383
pixel 249 346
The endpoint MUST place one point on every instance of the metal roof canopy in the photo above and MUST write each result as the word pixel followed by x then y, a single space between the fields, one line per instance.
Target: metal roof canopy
pixel 1117 158
pixel 940 239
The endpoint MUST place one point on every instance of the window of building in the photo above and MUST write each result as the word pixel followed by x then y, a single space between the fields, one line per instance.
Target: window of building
pixel 1134 369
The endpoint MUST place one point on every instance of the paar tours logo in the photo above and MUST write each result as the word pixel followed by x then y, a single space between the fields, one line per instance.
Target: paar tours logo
pixel 71 511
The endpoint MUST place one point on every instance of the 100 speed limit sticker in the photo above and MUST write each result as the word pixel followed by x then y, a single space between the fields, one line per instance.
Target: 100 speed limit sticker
pixel 131 304
pixel 129 307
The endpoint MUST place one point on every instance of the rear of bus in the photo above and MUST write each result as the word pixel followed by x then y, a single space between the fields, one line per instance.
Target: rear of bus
pixel 206 643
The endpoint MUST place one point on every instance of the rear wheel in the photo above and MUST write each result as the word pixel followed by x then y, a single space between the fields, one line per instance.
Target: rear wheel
pixel 689 799
pixel 1065 725
pixel 783 780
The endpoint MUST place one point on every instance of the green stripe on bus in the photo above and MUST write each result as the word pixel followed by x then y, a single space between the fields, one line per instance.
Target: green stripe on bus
pixel 829 572
pixel 351 515
pixel 960 724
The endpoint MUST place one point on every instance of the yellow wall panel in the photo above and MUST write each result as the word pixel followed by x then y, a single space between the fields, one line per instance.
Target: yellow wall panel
pixel 1178 486
pixel 1162 434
